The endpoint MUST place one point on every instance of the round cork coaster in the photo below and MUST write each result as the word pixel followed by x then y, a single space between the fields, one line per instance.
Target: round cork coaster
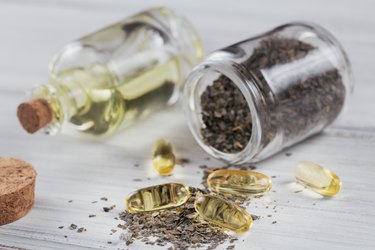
pixel 17 186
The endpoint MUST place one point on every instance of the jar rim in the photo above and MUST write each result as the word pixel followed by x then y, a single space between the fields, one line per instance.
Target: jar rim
pixel 237 74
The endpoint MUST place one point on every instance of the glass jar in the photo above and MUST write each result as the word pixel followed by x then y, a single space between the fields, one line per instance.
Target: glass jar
pixel 250 100
pixel 115 76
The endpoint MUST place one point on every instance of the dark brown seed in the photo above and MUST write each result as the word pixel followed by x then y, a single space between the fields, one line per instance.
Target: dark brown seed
pixel 81 230
pixel 255 217
pixel 182 161
pixel 107 209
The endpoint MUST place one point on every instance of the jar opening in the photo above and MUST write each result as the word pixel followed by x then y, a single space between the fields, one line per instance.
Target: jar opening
pixel 222 113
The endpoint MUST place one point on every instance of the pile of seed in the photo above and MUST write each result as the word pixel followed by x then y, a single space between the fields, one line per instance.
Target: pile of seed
pixel 226 116
pixel 180 227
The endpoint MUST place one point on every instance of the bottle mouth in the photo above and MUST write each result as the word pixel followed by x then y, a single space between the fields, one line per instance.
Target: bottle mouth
pixel 186 43
pixel 197 82
pixel 34 114
pixel 45 108
pixel 183 34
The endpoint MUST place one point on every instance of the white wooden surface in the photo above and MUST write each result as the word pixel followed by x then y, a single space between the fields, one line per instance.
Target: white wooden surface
pixel 71 168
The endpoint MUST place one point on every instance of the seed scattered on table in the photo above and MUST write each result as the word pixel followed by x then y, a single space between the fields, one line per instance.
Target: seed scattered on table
pixel 107 209
pixel 81 230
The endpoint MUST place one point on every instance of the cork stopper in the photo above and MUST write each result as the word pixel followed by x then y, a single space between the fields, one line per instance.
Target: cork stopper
pixel 34 115
pixel 17 189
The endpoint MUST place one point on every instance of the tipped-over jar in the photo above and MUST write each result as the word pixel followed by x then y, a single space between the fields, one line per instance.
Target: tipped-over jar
pixel 251 99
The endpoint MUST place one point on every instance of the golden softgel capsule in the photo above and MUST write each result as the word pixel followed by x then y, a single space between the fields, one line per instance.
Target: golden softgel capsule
pixel 240 183
pixel 168 195
pixel 163 157
pixel 317 178
pixel 223 213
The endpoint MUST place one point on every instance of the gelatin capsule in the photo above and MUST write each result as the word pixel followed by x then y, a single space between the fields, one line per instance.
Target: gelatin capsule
pixel 223 213
pixel 239 183
pixel 168 195
pixel 317 178
pixel 163 158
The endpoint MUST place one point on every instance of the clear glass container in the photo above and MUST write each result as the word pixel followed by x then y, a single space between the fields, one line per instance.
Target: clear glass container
pixel 294 80
pixel 117 75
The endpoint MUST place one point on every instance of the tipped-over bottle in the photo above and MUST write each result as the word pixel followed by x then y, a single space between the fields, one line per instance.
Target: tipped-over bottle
pixel 115 76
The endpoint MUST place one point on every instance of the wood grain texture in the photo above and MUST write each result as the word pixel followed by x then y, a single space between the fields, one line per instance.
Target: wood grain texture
pixel 71 168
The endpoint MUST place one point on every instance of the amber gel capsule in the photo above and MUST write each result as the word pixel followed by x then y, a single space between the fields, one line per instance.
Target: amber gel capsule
pixel 168 195
pixel 223 213
pixel 317 178
pixel 163 158
pixel 239 183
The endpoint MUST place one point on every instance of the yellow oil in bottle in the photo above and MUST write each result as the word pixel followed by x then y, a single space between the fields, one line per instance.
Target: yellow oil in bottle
pixel 163 157
pixel 164 196
pixel 101 103
pixel 317 178
pixel 223 213
pixel 238 183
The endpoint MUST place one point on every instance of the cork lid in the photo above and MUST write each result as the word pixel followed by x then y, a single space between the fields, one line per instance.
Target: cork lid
pixel 17 187
pixel 34 115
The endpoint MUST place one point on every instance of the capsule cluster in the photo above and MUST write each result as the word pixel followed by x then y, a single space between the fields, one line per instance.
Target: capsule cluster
pixel 224 183
pixel 210 207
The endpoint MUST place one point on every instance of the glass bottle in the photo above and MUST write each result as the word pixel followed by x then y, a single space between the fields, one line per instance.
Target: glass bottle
pixel 294 81
pixel 115 76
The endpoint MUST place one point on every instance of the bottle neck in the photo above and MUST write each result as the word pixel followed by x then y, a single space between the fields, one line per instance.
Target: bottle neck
pixel 49 94
pixel 60 99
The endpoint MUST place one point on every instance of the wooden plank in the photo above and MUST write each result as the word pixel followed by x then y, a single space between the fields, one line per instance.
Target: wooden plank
pixel 72 168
